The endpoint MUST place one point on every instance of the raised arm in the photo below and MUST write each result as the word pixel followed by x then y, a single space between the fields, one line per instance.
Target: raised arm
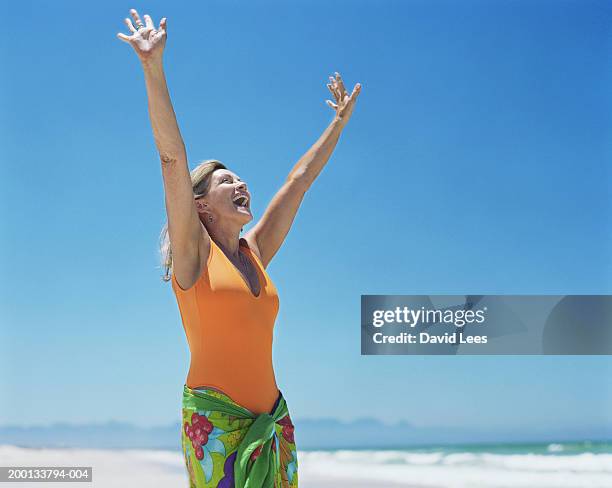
pixel 184 227
pixel 271 230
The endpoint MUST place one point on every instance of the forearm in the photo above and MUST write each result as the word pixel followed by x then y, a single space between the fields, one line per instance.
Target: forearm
pixel 166 132
pixel 312 162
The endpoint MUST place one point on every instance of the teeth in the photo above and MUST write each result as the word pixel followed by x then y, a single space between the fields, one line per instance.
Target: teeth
pixel 241 201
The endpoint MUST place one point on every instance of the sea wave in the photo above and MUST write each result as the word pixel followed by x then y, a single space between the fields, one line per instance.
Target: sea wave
pixel 438 468
pixel 467 469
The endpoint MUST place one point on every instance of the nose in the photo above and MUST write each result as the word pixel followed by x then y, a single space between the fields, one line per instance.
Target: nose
pixel 242 186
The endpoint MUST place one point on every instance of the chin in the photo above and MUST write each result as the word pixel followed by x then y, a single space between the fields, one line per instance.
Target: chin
pixel 248 216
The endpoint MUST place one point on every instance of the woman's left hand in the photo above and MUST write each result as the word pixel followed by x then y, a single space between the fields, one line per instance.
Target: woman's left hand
pixel 344 102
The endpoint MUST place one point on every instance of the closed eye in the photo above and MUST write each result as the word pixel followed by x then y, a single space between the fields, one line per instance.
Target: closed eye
pixel 227 178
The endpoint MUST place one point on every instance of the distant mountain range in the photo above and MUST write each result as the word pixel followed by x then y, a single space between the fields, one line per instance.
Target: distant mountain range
pixel 309 433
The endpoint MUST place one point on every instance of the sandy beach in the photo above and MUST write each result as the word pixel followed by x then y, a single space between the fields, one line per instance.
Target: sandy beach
pixel 346 468
pixel 155 469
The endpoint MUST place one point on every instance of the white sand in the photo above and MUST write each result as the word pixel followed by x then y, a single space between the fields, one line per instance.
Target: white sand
pixel 156 469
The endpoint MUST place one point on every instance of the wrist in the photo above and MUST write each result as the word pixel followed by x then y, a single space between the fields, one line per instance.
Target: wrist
pixel 152 64
pixel 339 122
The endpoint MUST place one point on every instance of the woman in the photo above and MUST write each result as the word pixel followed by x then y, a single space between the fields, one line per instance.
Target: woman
pixel 236 426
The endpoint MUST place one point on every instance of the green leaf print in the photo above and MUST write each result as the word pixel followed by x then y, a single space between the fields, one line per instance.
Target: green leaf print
pixel 197 469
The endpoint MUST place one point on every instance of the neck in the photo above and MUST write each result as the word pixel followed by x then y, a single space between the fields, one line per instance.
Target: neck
pixel 229 241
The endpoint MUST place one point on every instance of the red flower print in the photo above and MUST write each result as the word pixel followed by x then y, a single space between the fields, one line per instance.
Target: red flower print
pixel 198 432
pixel 287 428
pixel 256 452
pixel 202 422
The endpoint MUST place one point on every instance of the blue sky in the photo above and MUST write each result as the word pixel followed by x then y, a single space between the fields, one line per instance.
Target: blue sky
pixel 476 162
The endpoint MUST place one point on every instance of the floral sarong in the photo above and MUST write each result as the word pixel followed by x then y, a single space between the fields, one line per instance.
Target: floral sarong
pixel 225 445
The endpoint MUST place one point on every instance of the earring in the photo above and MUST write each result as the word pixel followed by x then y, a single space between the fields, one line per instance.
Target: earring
pixel 210 218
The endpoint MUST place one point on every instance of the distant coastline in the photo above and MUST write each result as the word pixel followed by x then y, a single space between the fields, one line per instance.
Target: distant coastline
pixel 311 434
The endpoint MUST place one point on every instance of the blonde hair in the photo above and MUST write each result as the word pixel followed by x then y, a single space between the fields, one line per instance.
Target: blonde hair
pixel 200 183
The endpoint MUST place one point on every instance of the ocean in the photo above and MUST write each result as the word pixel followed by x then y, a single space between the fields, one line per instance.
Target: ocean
pixel 550 465
pixel 563 464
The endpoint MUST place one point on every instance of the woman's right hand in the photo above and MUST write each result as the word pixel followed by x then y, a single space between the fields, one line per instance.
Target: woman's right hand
pixel 147 41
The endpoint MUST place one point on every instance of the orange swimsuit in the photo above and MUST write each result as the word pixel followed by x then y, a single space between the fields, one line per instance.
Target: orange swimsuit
pixel 230 331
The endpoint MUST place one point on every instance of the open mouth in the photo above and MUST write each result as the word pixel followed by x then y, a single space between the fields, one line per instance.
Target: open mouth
pixel 241 201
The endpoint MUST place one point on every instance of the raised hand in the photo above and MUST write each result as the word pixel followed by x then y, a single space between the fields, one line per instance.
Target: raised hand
pixel 344 102
pixel 147 41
